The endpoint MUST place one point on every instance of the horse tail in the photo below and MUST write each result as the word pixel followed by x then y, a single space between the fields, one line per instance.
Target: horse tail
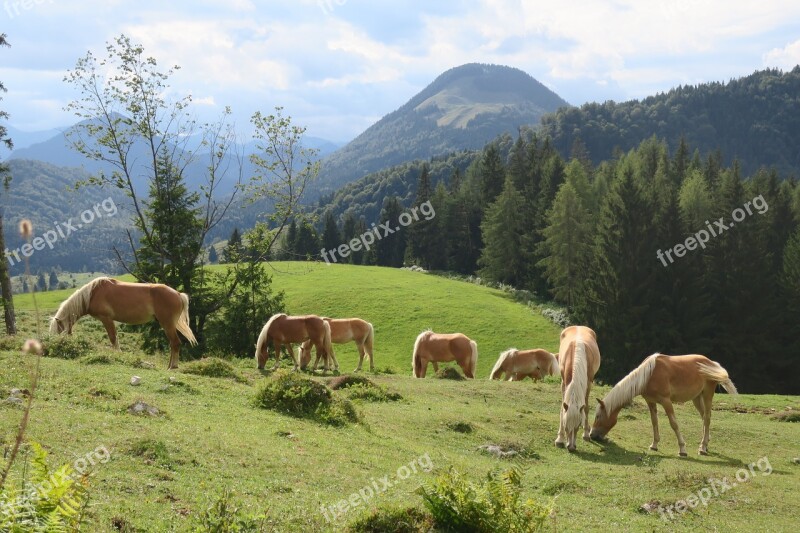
pixel 370 340
pixel 715 372
pixel 474 357
pixel 498 366
pixel 416 357
pixel 555 368
pixel 183 321
pixel 264 336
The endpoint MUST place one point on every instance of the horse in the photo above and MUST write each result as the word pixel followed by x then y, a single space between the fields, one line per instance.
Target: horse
pixel 519 364
pixel 344 330
pixel 110 300
pixel 285 330
pixel 664 379
pixel 579 359
pixel 437 348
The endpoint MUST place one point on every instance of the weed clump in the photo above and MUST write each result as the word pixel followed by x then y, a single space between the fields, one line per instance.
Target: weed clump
pixel 395 520
pixel 212 367
pixel 295 395
pixel 67 347
pixel 450 372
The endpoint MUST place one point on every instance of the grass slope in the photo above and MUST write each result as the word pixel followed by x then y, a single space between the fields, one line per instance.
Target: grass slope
pixel 164 470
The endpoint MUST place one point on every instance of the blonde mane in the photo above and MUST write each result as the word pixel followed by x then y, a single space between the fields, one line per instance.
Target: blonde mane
pixel 76 305
pixel 576 390
pixel 501 361
pixel 631 385
pixel 262 337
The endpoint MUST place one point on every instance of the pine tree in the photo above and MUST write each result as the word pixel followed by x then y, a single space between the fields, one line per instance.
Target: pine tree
pixel 568 245
pixel 41 283
pixel 492 174
pixel 331 237
pixel 290 242
pixel 52 282
pixel 5 279
pixel 421 236
pixel 390 249
pixel 233 249
pixel 502 230
pixel 307 244
pixel 212 255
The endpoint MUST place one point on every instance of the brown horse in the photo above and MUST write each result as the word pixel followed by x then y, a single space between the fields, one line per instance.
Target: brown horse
pixel 285 330
pixel 519 364
pixel 110 300
pixel 345 330
pixel 437 348
pixel 579 358
pixel 664 379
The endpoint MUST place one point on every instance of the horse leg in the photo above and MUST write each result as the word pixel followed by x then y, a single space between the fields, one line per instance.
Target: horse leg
pixel 277 345
pixel 174 348
pixel 561 438
pixel 435 367
pixel 295 360
pixel 111 330
pixel 673 422
pixel 653 406
pixel 361 354
pixel 705 413
pixel 332 357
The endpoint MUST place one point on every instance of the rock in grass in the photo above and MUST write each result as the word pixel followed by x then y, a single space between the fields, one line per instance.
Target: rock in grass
pixel 142 408
pixel 135 380
pixel 650 506
pixel 497 451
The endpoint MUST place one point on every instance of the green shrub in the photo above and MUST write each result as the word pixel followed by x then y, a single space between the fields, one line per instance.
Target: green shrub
pixel 460 427
pixel 372 393
pixel 97 359
pixel 393 520
pixel 212 367
pixel 66 347
pixel 45 500
pixel 295 395
pixel 348 380
pixel 154 452
pixel 222 516
pixel 457 504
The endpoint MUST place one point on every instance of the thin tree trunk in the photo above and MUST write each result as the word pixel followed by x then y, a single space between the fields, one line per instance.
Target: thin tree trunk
pixel 5 287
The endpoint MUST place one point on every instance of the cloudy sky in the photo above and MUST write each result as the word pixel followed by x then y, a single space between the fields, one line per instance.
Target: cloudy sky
pixel 337 66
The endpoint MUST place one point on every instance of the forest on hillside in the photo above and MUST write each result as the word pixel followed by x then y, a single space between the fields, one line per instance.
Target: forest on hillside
pixel 754 119
pixel 595 238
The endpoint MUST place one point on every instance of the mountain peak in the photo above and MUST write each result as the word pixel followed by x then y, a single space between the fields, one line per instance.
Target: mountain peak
pixel 463 108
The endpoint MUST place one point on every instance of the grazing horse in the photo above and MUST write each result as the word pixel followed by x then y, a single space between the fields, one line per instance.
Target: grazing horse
pixel 437 348
pixel 664 379
pixel 344 330
pixel 285 330
pixel 110 300
pixel 519 364
pixel 579 359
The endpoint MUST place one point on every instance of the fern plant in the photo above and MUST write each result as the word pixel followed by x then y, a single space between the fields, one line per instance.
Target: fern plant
pixel 457 504
pixel 50 501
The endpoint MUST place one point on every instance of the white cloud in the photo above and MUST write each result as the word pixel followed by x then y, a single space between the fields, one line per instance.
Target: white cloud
pixel 785 58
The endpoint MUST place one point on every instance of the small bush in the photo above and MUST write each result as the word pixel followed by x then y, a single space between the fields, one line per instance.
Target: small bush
pixel 450 372
pixel 67 347
pixel 212 367
pixel 372 393
pixel 97 359
pixel 457 504
pixel 559 317
pixel 787 416
pixel 154 452
pixel 460 427
pixel 393 520
pixel 295 395
pixel 348 380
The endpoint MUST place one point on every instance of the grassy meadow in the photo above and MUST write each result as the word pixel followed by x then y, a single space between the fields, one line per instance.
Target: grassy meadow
pixel 164 470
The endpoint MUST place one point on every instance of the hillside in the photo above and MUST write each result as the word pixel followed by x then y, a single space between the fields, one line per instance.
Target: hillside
pixel 755 118
pixel 165 470
pixel 463 109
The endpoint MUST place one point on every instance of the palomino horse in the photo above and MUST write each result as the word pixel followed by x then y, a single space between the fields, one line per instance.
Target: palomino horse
pixel 110 300
pixel 664 379
pixel 437 348
pixel 344 330
pixel 579 358
pixel 519 364
pixel 285 330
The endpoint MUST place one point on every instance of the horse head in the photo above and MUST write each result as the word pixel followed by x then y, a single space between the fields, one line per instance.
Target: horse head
pixel 603 422
pixel 305 354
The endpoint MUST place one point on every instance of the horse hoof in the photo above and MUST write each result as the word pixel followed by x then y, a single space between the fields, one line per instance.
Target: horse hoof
pixel 654 448
pixel 587 438
pixel 560 444
pixel 703 452
pixel 683 454
pixel 572 449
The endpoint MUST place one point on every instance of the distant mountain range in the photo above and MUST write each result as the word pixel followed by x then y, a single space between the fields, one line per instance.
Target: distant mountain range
pixel 462 109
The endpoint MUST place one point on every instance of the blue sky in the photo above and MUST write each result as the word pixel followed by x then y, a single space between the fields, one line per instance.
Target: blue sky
pixel 337 66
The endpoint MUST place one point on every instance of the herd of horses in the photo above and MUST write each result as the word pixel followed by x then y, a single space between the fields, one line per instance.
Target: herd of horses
pixel 660 379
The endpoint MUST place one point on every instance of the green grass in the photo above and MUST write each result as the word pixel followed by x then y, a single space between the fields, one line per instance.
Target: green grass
pixel 165 470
